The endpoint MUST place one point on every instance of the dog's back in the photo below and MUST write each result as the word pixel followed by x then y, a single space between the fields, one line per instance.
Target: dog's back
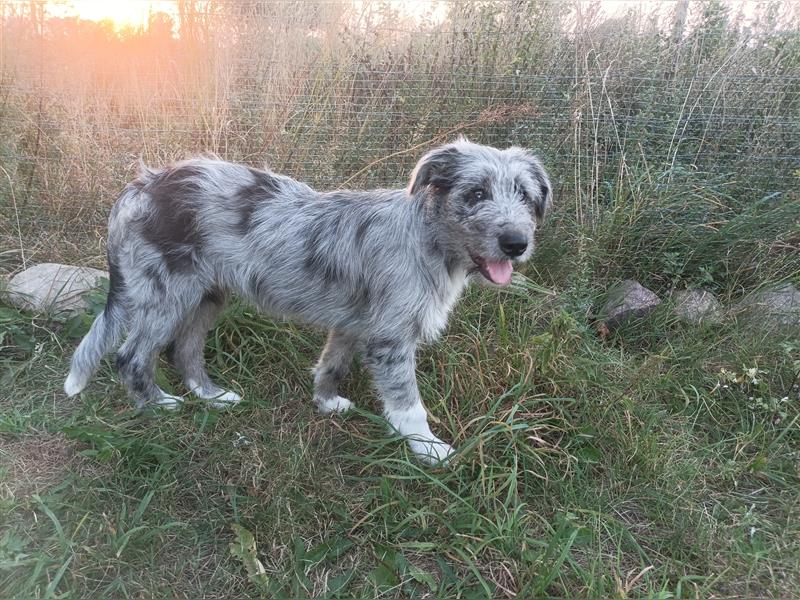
pixel 336 259
pixel 380 269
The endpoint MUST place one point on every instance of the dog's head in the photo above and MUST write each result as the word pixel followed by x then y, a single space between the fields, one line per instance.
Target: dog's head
pixel 487 203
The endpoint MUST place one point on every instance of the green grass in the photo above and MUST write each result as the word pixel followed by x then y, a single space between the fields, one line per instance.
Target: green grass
pixel 589 468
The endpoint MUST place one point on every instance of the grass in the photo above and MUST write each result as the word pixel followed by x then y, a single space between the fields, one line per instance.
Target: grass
pixel 617 468
pixel 659 462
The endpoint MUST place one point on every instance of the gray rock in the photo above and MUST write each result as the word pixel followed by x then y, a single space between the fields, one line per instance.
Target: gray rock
pixel 778 306
pixel 696 307
pixel 53 287
pixel 626 300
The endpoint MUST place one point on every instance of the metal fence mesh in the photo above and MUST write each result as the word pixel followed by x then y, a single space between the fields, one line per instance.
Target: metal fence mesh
pixel 350 94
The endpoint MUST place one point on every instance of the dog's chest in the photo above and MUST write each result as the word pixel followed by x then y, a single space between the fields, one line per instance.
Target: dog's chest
pixel 433 318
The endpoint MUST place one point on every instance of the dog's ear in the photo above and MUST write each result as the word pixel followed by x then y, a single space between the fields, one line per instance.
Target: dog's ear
pixel 543 199
pixel 438 170
pixel 544 202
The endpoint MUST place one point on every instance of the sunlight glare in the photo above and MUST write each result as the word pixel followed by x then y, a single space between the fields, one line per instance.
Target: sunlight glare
pixel 123 13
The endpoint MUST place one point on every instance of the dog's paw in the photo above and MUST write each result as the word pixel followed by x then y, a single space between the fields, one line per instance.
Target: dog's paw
pixel 433 452
pixel 337 404
pixel 217 397
pixel 224 400
pixel 168 401
pixel 74 384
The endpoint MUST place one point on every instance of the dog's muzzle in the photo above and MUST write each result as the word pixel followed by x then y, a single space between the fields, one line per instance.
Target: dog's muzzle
pixel 513 244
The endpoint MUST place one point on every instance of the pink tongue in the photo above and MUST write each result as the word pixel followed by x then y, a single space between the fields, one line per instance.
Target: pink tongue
pixel 499 272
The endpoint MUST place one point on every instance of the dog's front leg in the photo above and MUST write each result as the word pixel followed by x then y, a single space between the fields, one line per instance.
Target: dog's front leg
pixel 392 364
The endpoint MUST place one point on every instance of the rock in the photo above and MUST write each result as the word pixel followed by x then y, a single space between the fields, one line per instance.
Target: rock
pixel 777 306
pixel 626 300
pixel 53 287
pixel 696 307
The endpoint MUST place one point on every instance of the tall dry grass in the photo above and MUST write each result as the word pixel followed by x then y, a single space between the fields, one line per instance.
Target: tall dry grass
pixel 623 110
pixel 658 463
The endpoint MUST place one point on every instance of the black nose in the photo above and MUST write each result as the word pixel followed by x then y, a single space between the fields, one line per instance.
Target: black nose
pixel 513 244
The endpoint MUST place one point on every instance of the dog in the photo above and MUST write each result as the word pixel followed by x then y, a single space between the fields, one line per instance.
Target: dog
pixel 380 269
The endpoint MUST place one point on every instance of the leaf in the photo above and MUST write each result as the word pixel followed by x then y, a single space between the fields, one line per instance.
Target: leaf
pixel 76 326
pixel 330 549
pixel 524 286
pixel 448 575
pixel 338 584
pixel 51 588
pixel 244 548
pixel 421 576
pixel 9 314
pixel 384 577
pixel 589 454
pixel 56 523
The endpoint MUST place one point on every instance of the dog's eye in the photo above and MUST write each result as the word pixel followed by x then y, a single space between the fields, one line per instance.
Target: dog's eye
pixel 522 193
pixel 478 195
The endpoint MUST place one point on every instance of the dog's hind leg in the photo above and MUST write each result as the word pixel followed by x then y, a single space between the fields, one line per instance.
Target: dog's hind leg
pixel 333 366
pixel 153 324
pixel 187 352
pixel 392 364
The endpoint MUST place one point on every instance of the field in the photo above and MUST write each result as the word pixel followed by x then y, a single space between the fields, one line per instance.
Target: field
pixel 659 461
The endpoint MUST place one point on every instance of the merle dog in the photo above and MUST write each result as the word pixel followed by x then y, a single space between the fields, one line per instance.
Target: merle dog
pixel 379 269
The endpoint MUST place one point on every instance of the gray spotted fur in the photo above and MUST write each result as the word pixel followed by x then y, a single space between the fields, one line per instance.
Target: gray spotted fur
pixel 380 269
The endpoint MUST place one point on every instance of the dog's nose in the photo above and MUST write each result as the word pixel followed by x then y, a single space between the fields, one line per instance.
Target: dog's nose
pixel 513 244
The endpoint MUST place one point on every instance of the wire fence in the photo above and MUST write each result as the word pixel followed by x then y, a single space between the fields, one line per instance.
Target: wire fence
pixel 350 94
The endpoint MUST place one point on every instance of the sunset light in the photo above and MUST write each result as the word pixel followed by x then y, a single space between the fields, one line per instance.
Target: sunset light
pixel 544 254
pixel 135 13
pixel 123 13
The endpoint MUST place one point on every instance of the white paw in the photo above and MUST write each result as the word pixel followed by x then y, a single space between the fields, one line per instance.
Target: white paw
pixel 337 404
pixel 168 401
pixel 219 398
pixel 431 452
pixel 74 384
pixel 225 400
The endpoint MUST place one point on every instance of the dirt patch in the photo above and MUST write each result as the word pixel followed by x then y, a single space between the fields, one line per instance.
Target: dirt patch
pixel 30 464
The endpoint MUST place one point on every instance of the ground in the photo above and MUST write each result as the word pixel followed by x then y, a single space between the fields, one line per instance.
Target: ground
pixel 659 461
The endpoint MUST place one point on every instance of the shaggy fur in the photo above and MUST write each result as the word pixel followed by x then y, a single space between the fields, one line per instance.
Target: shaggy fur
pixel 379 269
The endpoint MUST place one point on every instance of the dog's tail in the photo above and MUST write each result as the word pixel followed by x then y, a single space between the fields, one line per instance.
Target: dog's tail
pixel 103 336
